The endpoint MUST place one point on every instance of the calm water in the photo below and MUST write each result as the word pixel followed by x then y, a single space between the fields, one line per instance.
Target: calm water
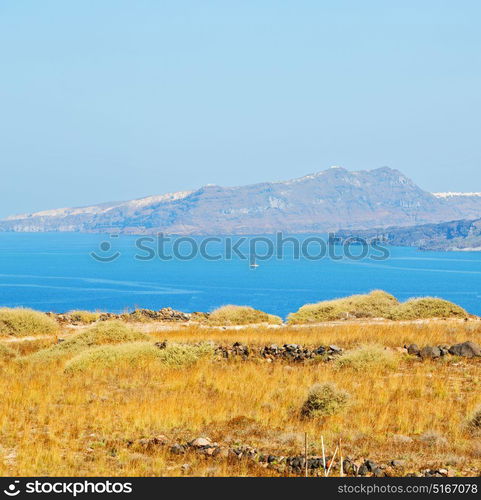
pixel 55 272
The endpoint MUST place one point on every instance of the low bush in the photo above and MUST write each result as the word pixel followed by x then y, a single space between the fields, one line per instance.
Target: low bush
pixel 138 354
pixel 367 357
pixel 21 322
pixel 105 332
pixel 427 308
pixel 376 304
pixel 241 315
pixel 84 317
pixel 324 400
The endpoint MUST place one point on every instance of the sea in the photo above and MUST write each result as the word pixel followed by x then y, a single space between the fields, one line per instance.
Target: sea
pixel 60 272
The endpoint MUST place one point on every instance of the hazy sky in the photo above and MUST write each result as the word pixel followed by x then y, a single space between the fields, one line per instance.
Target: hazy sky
pixel 112 100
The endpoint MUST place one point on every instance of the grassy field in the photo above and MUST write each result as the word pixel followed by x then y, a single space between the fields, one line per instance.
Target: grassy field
pixel 95 421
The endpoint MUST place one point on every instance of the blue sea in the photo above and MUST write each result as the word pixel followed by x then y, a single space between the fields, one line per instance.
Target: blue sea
pixel 56 272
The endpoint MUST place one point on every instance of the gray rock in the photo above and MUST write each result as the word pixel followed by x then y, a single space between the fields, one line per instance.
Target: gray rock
pixel 177 449
pixel 200 442
pixel 396 463
pixel 363 470
pixel 430 352
pixel 335 349
pixel 413 349
pixel 465 349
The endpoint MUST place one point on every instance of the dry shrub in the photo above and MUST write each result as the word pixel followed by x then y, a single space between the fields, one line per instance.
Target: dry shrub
pixel 376 304
pixel 433 439
pixel 324 400
pixel 105 332
pixel 474 421
pixel 137 354
pixel 24 322
pixel 241 315
pixel 426 308
pixel 84 317
pixel 367 357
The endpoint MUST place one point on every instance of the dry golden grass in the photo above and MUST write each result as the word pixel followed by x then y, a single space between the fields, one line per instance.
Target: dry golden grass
pixel 84 423
pixel 346 334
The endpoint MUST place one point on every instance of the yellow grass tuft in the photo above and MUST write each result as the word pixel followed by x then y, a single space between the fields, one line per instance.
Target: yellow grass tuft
pixel 241 315
pixel 21 322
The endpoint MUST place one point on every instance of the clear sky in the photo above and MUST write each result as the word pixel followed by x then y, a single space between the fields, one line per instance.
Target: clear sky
pixel 111 100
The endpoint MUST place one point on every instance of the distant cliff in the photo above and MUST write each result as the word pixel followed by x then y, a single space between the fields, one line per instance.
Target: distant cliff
pixel 325 201
pixel 446 236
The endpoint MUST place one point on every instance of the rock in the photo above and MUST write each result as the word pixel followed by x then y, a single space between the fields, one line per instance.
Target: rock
pixel 413 349
pixel 363 470
pixel 465 349
pixel 160 440
pixel 200 442
pixel 443 472
pixel 335 349
pixel 177 449
pixel 430 352
pixel 186 468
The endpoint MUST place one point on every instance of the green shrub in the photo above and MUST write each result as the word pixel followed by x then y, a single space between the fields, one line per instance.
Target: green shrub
pixel 376 304
pixel 6 352
pixel 324 400
pixel 366 357
pixel 105 332
pixel 241 315
pixel 427 308
pixel 25 322
pixel 84 317
pixel 138 354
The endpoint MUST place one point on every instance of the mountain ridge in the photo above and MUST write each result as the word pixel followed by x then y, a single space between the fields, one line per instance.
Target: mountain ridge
pixel 322 201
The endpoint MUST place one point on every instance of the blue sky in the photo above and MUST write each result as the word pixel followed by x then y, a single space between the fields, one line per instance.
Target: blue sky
pixel 111 100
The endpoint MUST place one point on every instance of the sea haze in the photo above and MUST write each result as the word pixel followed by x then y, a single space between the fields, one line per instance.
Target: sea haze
pixel 55 272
